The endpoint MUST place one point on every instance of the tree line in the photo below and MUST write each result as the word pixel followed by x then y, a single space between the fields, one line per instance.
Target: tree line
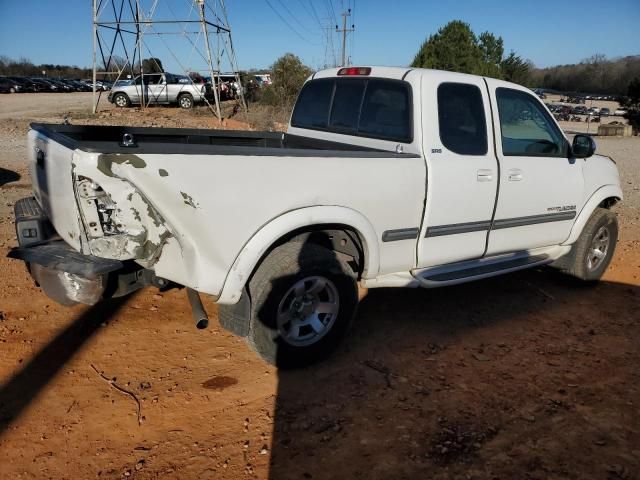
pixel 23 67
pixel 596 74
pixel 455 47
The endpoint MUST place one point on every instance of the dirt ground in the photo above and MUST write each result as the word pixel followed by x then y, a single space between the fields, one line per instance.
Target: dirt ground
pixel 525 376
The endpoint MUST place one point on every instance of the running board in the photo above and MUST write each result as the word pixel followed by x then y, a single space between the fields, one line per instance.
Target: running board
pixel 480 269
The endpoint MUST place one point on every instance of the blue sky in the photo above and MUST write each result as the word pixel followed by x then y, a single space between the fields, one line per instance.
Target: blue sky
pixel 387 33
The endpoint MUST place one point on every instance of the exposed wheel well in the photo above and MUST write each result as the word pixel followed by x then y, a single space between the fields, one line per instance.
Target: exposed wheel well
pixel 339 238
pixel 608 202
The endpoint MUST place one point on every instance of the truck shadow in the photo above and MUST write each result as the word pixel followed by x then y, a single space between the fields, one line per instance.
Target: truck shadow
pixel 8 176
pixel 23 388
pixel 440 378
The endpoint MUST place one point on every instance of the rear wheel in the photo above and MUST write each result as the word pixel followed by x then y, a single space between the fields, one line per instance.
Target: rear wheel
pixel 185 101
pixel 121 100
pixel 303 299
pixel 591 254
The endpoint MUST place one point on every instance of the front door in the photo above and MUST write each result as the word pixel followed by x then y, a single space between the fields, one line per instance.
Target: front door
pixel 541 186
pixel 155 88
pixel 462 170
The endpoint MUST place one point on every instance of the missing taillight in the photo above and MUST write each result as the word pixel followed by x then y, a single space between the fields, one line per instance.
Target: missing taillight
pixel 353 71
pixel 101 208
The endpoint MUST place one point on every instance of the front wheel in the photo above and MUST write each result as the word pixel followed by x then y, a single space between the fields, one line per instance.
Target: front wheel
pixel 185 101
pixel 121 100
pixel 591 254
pixel 303 298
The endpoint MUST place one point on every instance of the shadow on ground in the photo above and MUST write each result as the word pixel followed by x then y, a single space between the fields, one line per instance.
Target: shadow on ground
pixel 8 176
pixel 528 375
pixel 23 388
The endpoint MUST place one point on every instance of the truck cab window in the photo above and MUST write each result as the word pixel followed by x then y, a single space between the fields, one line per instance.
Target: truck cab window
pixel 374 108
pixel 463 126
pixel 346 104
pixel 526 126
pixel 386 111
pixel 312 108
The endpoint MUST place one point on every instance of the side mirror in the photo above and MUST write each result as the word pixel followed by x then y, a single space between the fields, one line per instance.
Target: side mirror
pixel 583 146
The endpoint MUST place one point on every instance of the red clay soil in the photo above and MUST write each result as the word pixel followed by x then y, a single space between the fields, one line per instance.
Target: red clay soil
pixel 525 376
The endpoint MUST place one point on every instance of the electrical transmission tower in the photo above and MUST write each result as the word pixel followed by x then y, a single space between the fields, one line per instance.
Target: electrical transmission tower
pixel 127 31
pixel 344 30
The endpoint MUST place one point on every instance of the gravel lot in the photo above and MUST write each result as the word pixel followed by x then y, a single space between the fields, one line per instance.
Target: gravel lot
pixel 526 376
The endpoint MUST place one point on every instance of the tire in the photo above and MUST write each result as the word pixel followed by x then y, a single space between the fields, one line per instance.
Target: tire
pixel 185 101
pixel 591 254
pixel 121 100
pixel 12 90
pixel 289 287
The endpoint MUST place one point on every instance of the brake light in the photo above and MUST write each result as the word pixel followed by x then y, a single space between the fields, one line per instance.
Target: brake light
pixel 354 71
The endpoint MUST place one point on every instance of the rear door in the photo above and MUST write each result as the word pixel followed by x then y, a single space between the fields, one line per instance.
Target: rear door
pixel 541 186
pixel 462 169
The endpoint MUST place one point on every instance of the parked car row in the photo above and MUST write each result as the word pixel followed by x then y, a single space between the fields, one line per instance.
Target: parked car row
pixel 583 110
pixel 40 84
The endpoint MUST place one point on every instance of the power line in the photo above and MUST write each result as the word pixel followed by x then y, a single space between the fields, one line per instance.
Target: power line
pixel 292 15
pixel 315 14
pixel 288 24
pixel 310 13
pixel 331 11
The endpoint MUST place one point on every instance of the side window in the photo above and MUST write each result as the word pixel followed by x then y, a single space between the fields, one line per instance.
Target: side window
pixel 527 128
pixel 386 111
pixel 346 104
pixel 312 107
pixel 463 126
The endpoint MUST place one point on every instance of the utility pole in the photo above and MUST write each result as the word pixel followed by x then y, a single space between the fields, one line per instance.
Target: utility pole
pixel 344 32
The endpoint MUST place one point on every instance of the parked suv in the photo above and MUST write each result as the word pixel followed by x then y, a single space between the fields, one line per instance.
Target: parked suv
pixel 158 88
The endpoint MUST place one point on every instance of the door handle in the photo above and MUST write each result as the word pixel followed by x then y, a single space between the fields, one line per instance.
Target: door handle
pixel 515 175
pixel 485 175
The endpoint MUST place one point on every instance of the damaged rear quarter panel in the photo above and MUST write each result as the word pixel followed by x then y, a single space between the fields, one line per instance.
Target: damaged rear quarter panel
pixel 142 231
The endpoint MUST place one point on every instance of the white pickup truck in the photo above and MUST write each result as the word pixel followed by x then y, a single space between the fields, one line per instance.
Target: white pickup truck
pixel 390 177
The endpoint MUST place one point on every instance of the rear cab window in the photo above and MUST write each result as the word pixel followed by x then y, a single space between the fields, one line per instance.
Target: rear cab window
pixel 461 119
pixel 365 107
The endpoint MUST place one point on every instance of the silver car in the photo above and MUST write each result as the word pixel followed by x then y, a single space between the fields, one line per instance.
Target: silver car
pixel 158 88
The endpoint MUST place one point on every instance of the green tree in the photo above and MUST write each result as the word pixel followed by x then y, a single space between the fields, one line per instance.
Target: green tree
pixel 632 103
pixel 288 74
pixel 454 48
pixel 492 49
pixel 515 69
pixel 152 65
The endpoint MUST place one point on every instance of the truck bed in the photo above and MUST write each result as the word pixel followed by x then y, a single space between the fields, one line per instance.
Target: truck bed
pixel 153 140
